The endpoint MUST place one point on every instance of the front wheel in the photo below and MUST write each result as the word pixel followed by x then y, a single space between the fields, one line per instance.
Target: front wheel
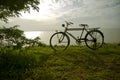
pixel 59 41
pixel 94 39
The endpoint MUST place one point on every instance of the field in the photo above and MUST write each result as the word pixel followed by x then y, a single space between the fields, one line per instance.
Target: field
pixel 76 63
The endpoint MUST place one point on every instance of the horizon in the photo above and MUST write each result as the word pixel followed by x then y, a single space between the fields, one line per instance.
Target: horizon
pixel 111 35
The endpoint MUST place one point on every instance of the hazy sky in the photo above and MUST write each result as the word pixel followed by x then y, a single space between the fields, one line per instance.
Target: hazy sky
pixel 102 13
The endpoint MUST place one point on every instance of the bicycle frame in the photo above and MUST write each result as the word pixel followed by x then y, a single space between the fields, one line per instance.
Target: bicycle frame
pixel 75 29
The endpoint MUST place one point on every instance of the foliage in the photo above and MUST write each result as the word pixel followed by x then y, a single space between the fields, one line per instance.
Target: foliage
pixel 42 63
pixel 12 8
pixel 34 42
pixel 15 37
pixel 12 36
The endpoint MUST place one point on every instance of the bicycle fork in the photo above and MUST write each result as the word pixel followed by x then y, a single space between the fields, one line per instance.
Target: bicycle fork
pixel 60 38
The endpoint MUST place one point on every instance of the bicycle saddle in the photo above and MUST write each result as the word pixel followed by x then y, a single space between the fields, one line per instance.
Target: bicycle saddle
pixel 83 25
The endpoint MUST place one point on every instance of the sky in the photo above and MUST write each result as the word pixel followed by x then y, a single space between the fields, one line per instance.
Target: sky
pixel 98 13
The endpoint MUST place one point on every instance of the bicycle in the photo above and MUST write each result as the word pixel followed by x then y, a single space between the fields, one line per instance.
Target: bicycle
pixel 93 39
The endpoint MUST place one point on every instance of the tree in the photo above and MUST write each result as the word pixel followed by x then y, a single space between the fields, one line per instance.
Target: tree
pixel 12 36
pixel 12 8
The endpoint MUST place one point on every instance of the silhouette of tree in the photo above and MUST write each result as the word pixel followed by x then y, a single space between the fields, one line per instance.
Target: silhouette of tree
pixel 15 37
pixel 12 36
pixel 12 8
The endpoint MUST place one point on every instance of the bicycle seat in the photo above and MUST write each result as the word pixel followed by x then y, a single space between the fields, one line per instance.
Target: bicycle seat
pixel 83 25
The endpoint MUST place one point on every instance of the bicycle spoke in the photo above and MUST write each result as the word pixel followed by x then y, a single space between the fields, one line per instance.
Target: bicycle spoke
pixel 61 43
pixel 94 39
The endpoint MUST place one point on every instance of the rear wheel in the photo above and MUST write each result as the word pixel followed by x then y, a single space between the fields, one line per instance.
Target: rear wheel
pixel 94 39
pixel 59 41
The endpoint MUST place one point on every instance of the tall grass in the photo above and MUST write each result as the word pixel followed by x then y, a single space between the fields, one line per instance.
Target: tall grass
pixel 76 63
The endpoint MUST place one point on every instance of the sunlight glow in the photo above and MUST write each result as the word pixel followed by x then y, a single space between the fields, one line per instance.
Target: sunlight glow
pixel 44 13
pixel 32 34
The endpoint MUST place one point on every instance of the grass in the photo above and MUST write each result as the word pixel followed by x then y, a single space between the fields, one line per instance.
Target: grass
pixel 76 63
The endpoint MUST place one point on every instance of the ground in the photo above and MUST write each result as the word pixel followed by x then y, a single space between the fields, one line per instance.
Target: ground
pixel 75 63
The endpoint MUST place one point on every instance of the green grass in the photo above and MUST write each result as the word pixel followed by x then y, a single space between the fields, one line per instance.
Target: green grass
pixel 76 63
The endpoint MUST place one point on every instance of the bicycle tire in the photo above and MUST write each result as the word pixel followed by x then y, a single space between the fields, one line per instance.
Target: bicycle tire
pixel 61 46
pixel 91 39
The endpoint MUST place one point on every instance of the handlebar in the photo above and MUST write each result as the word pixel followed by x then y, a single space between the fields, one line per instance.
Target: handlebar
pixel 67 24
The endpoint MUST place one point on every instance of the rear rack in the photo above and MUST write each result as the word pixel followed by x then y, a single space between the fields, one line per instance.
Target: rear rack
pixel 94 28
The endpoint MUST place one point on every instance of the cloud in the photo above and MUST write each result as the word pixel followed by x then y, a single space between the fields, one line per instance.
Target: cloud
pixel 54 12
pixel 93 8
pixel 50 9
pixel 98 12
